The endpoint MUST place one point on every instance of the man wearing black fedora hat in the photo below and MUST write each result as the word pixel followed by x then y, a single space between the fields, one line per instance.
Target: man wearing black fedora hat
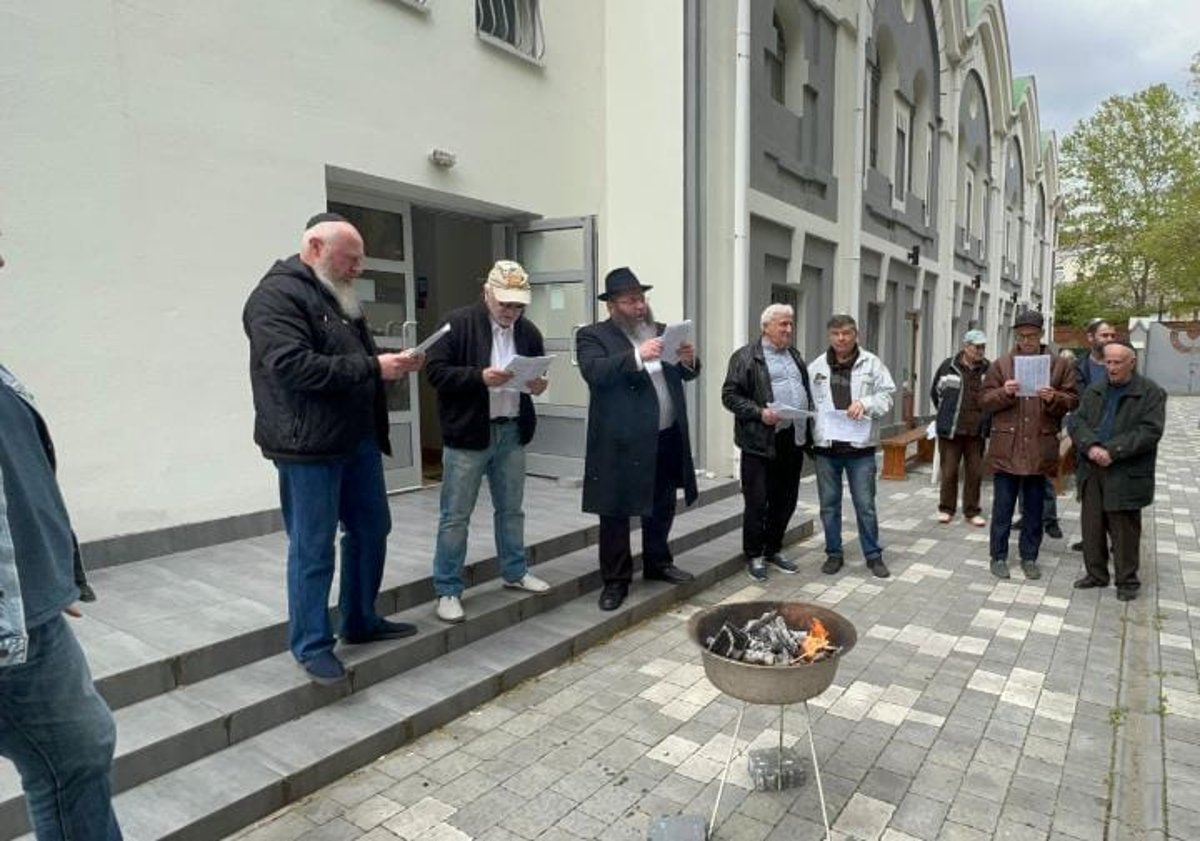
pixel 638 452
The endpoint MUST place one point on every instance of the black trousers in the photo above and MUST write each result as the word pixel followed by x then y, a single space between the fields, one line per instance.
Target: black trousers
pixel 769 489
pixel 616 560
pixel 1123 527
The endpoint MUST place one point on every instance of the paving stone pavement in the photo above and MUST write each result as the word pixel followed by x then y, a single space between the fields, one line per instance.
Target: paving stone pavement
pixel 971 708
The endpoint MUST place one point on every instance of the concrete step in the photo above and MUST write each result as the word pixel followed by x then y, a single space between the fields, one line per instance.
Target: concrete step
pixel 227 790
pixel 233 638
pixel 191 721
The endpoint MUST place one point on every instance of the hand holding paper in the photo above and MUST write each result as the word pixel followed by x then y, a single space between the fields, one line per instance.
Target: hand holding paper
pixel 837 426
pixel 673 336
pixel 526 369
pixel 786 412
pixel 1031 373
pixel 432 339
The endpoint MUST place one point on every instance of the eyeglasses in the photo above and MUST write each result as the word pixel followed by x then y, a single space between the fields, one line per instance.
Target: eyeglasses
pixel 507 306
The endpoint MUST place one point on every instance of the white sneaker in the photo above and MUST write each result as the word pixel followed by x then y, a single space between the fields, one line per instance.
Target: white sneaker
pixel 449 609
pixel 529 583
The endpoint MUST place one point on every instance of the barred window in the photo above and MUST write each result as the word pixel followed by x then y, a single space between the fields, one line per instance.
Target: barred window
pixel 517 23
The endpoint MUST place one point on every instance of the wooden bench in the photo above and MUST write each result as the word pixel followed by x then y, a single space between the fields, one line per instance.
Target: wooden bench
pixel 895 451
pixel 1066 464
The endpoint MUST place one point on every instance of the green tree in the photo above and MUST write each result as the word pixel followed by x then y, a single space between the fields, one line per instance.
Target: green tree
pixel 1129 173
pixel 1078 302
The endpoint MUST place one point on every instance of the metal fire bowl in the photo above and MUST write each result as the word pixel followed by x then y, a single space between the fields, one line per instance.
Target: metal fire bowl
pixel 757 684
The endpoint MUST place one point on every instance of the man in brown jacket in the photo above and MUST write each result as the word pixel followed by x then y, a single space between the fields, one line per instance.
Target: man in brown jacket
pixel 1023 448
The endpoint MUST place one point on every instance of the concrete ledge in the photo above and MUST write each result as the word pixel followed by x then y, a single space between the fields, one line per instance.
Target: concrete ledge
pixel 153 678
pixel 195 721
pixel 320 747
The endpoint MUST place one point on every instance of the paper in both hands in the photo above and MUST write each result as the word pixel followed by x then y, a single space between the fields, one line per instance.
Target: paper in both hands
pixel 525 369
pixel 1031 373
pixel 672 337
pixel 786 412
pixel 432 339
pixel 836 425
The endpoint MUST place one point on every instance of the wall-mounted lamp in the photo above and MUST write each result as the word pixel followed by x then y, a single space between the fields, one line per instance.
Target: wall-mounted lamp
pixel 914 256
pixel 443 158
pixel 1013 297
pixel 977 281
pixel 1039 306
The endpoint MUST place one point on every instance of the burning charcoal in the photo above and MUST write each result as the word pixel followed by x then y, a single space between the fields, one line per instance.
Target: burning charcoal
pixel 729 642
pixel 754 627
pixel 768 641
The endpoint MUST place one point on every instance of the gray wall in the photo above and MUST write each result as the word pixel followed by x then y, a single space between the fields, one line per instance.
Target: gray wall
pixel 770 253
pixel 792 155
pixel 1172 359
pixel 816 283
pixel 913 51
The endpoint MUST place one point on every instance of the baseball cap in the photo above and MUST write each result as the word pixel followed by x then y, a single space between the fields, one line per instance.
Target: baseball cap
pixel 509 283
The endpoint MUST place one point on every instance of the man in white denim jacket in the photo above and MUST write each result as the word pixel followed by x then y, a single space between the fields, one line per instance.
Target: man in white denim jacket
pixel 54 726
pixel 852 389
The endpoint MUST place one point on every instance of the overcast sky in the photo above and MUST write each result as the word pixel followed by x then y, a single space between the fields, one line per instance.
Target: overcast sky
pixel 1084 51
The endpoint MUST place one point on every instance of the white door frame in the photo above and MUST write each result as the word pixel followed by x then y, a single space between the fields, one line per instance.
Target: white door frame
pixel 399 473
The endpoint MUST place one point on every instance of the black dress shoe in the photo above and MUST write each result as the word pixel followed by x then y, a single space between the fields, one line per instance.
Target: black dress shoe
pixel 1127 594
pixel 612 595
pixel 1087 582
pixel 384 630
pixel 86 593
pixel 1053 530
pixel 670 573
pixel 1077 546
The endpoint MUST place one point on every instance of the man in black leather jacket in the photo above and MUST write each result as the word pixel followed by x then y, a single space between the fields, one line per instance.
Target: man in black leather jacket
pixel 763 376
pixel 321 416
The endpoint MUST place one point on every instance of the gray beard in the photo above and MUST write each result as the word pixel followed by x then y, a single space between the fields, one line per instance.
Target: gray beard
pixel 346 294
pixel 638 330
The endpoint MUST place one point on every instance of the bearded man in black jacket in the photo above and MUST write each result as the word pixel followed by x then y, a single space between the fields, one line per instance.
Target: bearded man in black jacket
pixel 320 414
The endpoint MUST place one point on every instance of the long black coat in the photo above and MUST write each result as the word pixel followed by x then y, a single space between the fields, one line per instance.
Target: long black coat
pixel 1137 429
pixel 622 432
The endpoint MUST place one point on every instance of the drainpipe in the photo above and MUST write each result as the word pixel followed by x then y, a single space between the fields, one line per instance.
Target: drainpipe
pixel 741 186
pixel 741 178
pixel 860 153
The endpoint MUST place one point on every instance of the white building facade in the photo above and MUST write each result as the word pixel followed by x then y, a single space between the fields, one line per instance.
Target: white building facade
pixel 159 156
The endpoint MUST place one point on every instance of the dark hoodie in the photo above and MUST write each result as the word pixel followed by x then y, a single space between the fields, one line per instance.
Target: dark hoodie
pixel 313 371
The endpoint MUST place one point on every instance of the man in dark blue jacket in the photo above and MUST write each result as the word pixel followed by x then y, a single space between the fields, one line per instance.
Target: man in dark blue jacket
pixel 320 414
pixel 487 419
pixel 961 427
pixel 54 725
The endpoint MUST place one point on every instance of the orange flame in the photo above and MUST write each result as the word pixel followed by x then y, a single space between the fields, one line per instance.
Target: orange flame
pixel 816 641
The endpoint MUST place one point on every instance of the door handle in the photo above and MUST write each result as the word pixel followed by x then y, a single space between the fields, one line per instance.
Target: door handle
pixel 408 334
pixel 574 353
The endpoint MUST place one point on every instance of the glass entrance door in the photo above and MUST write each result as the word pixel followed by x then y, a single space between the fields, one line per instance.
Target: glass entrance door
pixel 560 257
pixel 386 290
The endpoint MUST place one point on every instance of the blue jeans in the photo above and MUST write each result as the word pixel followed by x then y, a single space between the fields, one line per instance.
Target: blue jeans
pixel 316 496
pixel 860 475
pixel 1049 504
pixel 58 731
pixel 1006 487
pixel 503 462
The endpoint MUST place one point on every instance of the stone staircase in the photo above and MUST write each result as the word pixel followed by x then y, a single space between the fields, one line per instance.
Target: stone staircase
pixel 223 728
